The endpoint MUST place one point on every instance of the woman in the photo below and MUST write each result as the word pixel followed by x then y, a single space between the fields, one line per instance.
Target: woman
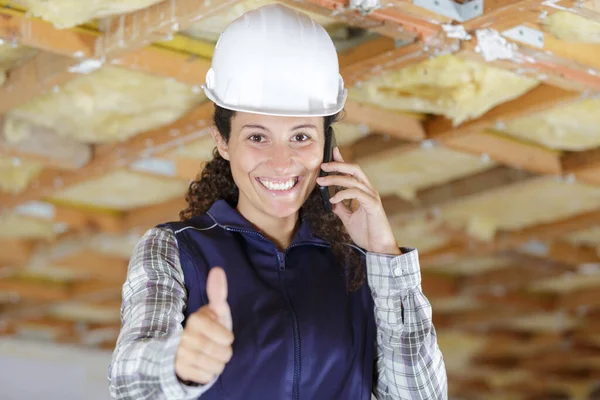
pixel 259 292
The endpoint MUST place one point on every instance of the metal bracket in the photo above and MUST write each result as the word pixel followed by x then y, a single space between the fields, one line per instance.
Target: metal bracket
pixel 457 11
pixel 524 34
pixel 364 7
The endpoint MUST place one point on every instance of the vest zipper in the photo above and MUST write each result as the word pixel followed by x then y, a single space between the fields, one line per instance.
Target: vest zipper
pixel 296 329
pixel 295 325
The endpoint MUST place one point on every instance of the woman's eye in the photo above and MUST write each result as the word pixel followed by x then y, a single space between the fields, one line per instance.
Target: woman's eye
pixel 255 138
pixel 300 137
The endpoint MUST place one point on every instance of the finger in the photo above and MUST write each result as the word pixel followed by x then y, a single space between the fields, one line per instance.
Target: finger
pixel 216 290
pixel 202 362
pixel 348 169
pixel 202 345
pixel 188 372
pixel 367 201
pixel 200 323
pixel 344 181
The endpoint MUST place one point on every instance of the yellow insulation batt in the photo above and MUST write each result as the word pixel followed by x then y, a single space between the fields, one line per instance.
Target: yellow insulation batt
pixel 16 174
pixel 446 85
pixel 418 231
pixel 122 190
pixel 470 266
pixel 15 226
pixel 587 278
pixel 519 205
pixel 588 237
pixel 571 27
pixel 69 13
pixel 403 173
pixel 459 349
pixel 108 105
pixel 542 322
pixel 82 312
pixel 569 127
pixel 11 56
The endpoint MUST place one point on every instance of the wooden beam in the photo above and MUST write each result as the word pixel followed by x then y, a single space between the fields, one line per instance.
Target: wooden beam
pixel 15 252
pixel 450 191
pixel 391 59
pixel 523 270
pixel 508 151
pixel 540 98
pixel 584 165
pixel 423 28
pixel 44 72
pixel 81 43
pixel 562 251
pixel 134 30
pixel 397 124
pixel 387 29
pixel 146 217
pixel 547 231
pixel 96 264
pixel 35 290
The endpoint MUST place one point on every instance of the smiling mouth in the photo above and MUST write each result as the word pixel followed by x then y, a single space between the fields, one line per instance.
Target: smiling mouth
pixel 279 184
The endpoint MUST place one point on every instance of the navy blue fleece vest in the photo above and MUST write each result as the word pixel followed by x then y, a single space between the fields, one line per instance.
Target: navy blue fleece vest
pixel 299 334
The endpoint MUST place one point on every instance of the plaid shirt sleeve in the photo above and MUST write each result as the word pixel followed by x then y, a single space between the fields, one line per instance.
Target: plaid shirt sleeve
pixel 410 364
pixel 154 295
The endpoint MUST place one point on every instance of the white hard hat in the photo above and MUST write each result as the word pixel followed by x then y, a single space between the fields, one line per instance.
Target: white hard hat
pixel 275 60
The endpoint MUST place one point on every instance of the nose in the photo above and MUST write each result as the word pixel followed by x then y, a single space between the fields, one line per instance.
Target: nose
pixel 280 159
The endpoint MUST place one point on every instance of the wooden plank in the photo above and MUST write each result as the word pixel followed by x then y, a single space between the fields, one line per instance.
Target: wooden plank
pixel 389 60
pixel 424 29
pixel 33 290
pixel 146 217
pixel 547 231
pixel 540 98
pixel 16 26
pixel 140 28
pixel 81 43
pixel 366 50
pixel 440 194
pixel 43 72
pixel 15 252
pixel 385 28
pixel 508 151
pixel 584 165
pixel 98 265
pixel 396 124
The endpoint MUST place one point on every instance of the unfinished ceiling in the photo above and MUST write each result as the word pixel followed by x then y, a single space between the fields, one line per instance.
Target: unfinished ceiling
pixel 481 135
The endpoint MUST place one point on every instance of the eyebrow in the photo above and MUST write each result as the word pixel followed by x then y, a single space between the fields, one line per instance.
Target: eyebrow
pixel 304 126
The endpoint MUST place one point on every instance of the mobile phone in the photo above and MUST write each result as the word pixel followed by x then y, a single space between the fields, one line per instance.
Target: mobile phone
pixel 328 191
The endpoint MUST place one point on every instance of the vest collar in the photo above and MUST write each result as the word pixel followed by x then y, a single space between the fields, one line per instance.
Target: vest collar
pixel 228 217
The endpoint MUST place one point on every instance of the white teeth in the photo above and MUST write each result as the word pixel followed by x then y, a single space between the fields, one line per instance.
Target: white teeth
pixel 279 185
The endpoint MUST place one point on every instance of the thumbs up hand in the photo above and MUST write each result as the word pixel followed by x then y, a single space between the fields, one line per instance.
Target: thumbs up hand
pixel 205 346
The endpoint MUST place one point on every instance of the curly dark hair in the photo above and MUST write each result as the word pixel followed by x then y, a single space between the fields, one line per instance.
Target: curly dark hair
pixel 215 182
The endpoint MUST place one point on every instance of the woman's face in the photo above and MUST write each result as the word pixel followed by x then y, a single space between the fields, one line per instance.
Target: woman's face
pixel 274 161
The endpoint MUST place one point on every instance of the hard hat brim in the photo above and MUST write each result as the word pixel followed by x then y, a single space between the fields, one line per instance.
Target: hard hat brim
pixel 341 100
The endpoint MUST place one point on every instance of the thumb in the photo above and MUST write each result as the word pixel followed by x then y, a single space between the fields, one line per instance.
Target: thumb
pixel 216 290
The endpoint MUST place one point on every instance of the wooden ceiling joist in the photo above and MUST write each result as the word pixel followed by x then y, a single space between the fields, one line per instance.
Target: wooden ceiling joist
pixel 132 31
pixel 438 195
pixel 424 29
pixel 81 44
